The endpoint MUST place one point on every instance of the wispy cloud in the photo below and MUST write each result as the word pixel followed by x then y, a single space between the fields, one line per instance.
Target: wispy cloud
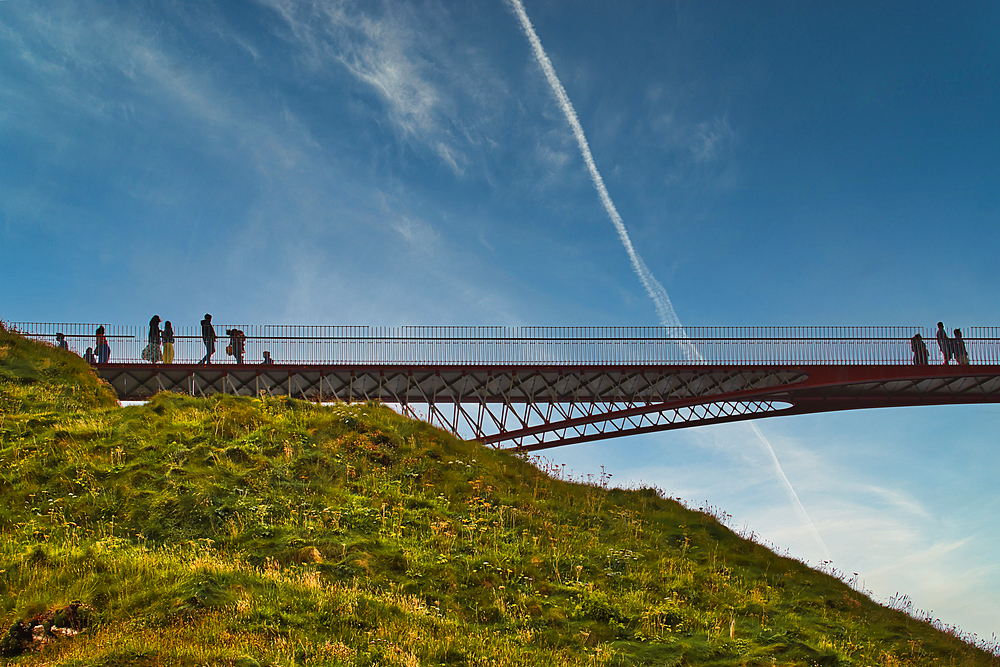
pixel 702 151
pixel 423 85
pixel 116 68
pixel 709 139
pixel 109 84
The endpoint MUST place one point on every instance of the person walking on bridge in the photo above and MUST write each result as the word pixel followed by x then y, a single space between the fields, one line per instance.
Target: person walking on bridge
pixel 920 356
pixel 103 349
pixel 237 344
pixel 947 351
pixel 208 337
pixel 958 344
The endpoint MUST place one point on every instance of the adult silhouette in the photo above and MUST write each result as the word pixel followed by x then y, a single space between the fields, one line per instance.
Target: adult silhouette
pixel 947 351
pixel 103 349
pixel 208 338
pixel 920 355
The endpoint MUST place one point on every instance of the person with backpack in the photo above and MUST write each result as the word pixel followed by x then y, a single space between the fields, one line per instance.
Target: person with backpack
pixel 208 338
pixel 237 344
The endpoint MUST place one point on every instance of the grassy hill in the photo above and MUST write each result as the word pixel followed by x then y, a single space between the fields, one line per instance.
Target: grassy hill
pixel 240 531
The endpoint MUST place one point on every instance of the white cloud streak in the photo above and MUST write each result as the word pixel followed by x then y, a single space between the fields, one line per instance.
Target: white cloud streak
pixel 793 496
pixel 661 300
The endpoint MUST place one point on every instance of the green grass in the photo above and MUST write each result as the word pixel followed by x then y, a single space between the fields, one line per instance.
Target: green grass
pixel 242 531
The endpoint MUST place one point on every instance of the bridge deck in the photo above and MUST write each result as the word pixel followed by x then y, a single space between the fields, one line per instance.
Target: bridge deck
pixel 535 388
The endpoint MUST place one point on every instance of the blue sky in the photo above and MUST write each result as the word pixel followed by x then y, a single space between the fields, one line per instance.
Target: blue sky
pixel 407 163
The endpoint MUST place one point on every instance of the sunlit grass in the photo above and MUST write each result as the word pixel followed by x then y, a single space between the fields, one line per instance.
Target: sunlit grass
pixel 270 531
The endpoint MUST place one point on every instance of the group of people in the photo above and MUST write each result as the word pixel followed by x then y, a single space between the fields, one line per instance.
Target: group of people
pixel 160 344
pixel 236 347
pixel 237 343
pixel 99 354
pixel 951 348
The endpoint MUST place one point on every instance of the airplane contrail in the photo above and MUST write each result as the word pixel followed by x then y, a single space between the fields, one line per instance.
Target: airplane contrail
pixel 793 496
pixel 664 307
pixel 661 300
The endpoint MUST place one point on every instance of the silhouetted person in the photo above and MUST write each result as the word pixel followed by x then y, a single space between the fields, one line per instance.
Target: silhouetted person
pixel 268 361
pixel 958 344
pixel 62 344
pixel 168 342
pixel 208 337
pixel 237 344
pixel 89 357
pixel 920 354
pixel 944 343
pixel 152 352
pixel 103 349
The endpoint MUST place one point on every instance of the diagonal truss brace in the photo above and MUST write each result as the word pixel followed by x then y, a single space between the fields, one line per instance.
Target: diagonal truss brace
pixel 537 407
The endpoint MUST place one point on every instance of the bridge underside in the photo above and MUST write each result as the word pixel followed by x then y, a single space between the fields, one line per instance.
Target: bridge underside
pixel 536 407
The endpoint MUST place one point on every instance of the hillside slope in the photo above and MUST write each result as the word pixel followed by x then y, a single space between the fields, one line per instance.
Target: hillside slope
pixel 247 532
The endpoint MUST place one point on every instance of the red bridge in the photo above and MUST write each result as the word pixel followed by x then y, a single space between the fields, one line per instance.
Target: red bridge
pixel 538 387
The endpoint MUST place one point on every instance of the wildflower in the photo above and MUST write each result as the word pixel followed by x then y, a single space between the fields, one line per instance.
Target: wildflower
pixel 65 632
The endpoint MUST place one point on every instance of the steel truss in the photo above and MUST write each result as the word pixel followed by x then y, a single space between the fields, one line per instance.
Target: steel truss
pixel 536 407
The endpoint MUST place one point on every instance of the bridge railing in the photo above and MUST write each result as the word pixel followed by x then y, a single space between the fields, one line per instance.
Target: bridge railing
pixel 364 345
